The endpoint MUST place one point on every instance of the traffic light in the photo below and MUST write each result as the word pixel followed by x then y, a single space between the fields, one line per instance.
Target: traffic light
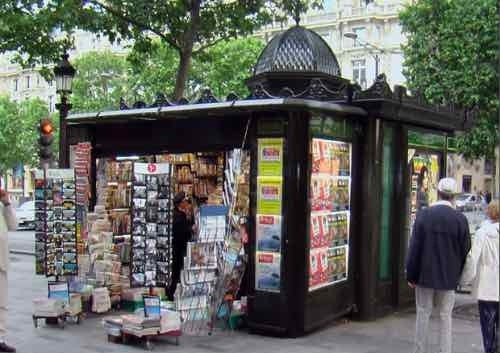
pixel 45 141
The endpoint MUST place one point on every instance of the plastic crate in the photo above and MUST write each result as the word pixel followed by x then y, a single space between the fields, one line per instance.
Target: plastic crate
pixel 132 306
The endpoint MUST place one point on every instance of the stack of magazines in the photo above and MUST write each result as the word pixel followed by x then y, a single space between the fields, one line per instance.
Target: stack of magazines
pixel 48 307
pixel 141 325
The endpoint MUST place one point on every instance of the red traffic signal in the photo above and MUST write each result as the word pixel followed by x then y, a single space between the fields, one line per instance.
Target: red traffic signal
pixel 46 130
pixel 46 127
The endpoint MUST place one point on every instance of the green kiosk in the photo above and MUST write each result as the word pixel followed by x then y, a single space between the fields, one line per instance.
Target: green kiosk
pixel 331 179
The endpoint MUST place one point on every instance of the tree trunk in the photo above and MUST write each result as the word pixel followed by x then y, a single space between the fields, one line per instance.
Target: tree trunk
pixel 186 51
pixel 182 72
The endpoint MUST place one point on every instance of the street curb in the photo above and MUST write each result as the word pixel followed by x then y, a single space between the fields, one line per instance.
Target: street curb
pixel 22 252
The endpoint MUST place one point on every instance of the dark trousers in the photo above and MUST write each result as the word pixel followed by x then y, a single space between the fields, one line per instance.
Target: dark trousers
pixel 178 253
pixel 488 315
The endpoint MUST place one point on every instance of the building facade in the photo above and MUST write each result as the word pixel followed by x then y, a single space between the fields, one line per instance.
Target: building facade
pixel 472 176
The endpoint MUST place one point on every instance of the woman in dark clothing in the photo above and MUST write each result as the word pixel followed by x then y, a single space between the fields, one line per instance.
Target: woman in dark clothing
pixel 181 235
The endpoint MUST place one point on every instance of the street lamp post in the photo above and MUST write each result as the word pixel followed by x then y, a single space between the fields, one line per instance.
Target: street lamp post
pixel 375 55
pixel 64 74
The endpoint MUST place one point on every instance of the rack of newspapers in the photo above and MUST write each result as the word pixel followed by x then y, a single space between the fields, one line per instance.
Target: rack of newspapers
pixel 215 260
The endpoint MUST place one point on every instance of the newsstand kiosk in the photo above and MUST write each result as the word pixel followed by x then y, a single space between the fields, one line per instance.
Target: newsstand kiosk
pixel 329 178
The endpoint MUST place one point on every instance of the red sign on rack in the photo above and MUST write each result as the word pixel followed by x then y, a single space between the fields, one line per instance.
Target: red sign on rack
pixel 151 168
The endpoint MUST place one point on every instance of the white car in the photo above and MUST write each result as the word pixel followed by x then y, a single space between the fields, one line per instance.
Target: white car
pixel 26 215
pixel 468 202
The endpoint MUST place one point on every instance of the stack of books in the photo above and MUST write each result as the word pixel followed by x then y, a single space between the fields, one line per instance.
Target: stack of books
pixel 139 325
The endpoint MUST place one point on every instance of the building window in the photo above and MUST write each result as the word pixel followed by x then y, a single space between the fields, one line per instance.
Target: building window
pixel 50 83
pixel 51 104
pixel 466 183
pixel 366 2
pixel 361 36
pixel 489 166
pixel 16 85
pixel 38 80
pixel 328 5
pixel 28 81
pixel 359 72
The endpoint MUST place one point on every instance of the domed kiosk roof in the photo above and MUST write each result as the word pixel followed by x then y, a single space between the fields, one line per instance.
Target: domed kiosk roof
pixel 297 50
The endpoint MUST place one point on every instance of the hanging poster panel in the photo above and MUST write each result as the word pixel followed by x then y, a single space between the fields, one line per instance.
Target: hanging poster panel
pixel 269 195
pixel 330 212
pixel 268 233
pixel 268 271
pixel 269 215
pixel 424 178
pixel 270 160
pixel 151 225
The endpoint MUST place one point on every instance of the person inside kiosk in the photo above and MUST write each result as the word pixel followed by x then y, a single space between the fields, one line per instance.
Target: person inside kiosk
pixel 182 231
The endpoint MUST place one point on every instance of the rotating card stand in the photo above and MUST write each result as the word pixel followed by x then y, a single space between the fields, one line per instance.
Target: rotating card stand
pixel 56 244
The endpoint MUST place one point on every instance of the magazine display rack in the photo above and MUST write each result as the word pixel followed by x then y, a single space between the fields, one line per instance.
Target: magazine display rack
pixel 214 264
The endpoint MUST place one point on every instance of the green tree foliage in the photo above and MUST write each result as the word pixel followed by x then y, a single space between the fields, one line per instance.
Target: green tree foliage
pixel 19 132
pixel 104 77
pixel 452 57
pixel 100 81
pixel 153 71
pixel 223 68
pixel 38 31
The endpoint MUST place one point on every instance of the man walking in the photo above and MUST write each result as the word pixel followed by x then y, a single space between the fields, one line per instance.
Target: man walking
pixel 439 246
pixel 7 222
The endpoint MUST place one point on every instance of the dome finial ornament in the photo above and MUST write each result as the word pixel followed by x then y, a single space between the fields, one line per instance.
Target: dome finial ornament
pixel 296 13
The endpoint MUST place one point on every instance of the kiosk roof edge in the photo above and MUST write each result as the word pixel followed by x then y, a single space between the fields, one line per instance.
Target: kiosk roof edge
pixel 240 106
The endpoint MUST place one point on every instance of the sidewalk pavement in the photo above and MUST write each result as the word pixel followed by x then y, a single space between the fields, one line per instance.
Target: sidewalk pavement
pixel 393 333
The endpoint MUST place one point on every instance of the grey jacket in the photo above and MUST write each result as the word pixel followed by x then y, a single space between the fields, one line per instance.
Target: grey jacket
pixel 8 222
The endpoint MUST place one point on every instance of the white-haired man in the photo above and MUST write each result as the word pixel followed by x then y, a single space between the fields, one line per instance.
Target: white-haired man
pixel 439 246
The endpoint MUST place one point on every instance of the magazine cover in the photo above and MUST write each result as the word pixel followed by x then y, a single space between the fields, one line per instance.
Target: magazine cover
pixel 267 272
pixel 337 264
pixel 338 229
pixel 268 233
pixel 202 255
pixel 318 264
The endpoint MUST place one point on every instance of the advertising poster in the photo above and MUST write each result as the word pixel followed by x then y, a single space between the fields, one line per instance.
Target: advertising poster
pixel 337 264
pixel 329 193
pixel 269 195
pixel 270 160
pixel 268 218
pixel 318 259
pixel 424 180
pixel 424 174
pixel 267 271
pixel 268 233
pixel 330 203
pixel 331 157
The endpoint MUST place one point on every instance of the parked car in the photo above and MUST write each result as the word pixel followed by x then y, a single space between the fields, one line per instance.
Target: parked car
pixel 468 202
pixel 26 215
